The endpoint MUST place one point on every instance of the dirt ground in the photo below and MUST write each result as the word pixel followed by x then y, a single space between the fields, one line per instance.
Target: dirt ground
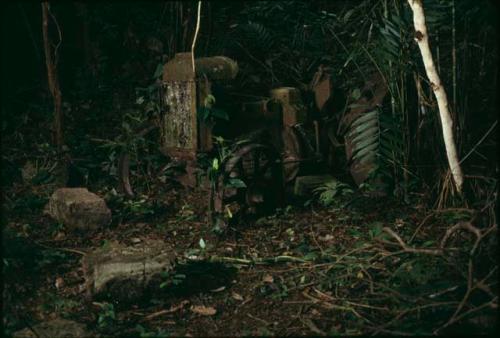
pixel 301 271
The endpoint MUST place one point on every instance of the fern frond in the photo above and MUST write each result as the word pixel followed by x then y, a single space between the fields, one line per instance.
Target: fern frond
pixel 258 36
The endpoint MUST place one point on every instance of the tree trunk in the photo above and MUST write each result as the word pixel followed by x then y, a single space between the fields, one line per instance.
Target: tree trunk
pixel 446 121
pixel 53 81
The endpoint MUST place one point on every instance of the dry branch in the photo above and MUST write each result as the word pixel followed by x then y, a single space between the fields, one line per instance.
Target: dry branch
pixel 406 248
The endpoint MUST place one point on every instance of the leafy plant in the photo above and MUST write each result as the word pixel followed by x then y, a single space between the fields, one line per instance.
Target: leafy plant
pixel 172 279
pixel 332 192
pixel 143 333
pixel 107 315
pixel 207 112
pixel 140 207
pixel 59 305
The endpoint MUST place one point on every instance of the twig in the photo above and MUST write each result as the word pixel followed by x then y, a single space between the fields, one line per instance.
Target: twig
pixel 405 312
pixel 419 226
pixel 172 309
pixel 470 286
pixel 56 48
pixel 479 142
pixel 406 248
pixel 61 249
pixel 266 260
pixel 471 228
pixel 316 241
pixel 313 326
pixel 492 303
pixel 368 306
pixel 258 319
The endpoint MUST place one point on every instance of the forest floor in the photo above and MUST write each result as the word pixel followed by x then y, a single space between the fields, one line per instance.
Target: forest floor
pixel 301 271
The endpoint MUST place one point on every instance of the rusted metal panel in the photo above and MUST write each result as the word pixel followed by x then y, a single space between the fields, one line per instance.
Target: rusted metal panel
pixel 179 129
pixel 183 92
pixel 373 94
pixel 180 68
pixel 291 102
pixel 216 68
pixel 322 87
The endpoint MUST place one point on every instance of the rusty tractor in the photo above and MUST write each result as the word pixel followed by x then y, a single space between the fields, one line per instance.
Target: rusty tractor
pixel 280 146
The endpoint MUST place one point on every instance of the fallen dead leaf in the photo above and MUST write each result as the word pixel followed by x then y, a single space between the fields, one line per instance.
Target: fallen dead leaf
pixel 237 296
pixel 59 283
pixel 268 279
pixel 203 310
pixel 222 288
pixel 326 238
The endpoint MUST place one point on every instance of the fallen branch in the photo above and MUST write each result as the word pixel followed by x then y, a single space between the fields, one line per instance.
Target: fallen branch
pixel 171 310
pixel 406 248
pixel 253 261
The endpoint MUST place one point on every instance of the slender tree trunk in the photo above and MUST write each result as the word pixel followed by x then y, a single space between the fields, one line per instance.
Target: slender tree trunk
pixel 446 121
pixel 50 61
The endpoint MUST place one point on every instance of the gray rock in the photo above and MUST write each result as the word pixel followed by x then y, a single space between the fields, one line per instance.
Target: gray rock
pixel 126 273
pixel 78 208
pixel 61 328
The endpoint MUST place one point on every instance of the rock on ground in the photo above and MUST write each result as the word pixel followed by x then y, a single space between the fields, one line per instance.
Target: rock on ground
pixel 126 273
pixel 78 208
pixel 61 328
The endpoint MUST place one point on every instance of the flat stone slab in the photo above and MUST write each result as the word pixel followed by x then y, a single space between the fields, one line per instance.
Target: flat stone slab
pixel 78 208
pixel 126 273
pixel 61 328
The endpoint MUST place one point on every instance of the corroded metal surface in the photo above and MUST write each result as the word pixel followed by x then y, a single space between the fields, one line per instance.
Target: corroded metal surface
pixel 373 94
pixel 182 135
pixel 178 129
pixel 180 68
pixel 291 102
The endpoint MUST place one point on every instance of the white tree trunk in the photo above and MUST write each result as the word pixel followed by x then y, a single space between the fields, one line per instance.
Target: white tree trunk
pixel 446 121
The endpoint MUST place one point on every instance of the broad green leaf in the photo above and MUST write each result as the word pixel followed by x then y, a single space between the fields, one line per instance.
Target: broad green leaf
pixel 365 117
pixel 365 143
pixel 370 128
pixel 209 101
pixel 236 183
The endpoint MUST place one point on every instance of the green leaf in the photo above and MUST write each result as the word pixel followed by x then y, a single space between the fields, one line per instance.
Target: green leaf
pixel 202 243
pixel 356 94
pixel 209 101
pixel 348 15
pixel 366 150
pixel 215 164
pixel 236 183
pixel 365 143
pixel 370 128
pixel 365 117
pixel 158 71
